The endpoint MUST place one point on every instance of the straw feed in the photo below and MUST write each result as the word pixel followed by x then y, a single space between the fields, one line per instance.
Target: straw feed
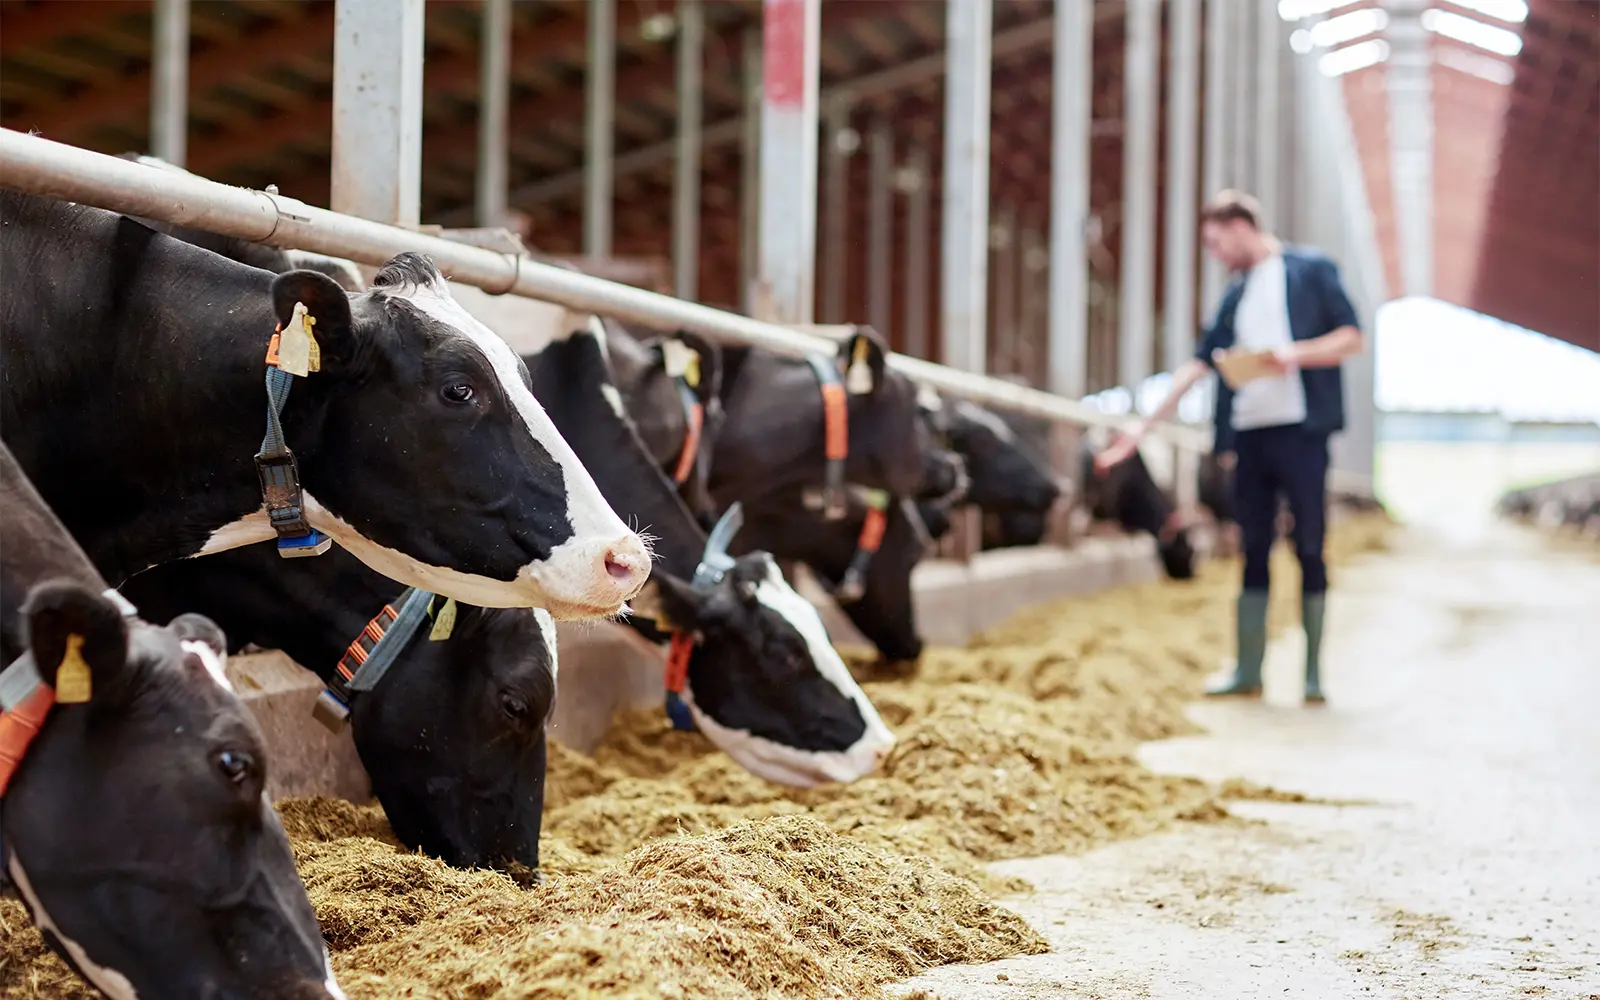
pixel 671 872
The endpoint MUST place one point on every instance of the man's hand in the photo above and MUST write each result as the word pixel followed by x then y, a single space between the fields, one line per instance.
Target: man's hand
pixel 1281 361
pixel 1120 450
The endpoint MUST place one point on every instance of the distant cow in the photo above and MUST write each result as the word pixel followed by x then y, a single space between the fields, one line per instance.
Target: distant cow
pixel 135 397
pixel 1127 495
pixel 136 828
pixel 1005 479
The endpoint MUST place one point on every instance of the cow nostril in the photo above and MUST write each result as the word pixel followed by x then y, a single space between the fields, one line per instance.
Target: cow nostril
pixel 627 566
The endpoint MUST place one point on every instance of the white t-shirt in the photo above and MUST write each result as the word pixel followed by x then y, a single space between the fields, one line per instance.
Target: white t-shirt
pixel 1262 323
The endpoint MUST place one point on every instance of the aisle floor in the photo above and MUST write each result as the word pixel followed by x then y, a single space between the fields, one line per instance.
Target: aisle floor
pixel 1463 676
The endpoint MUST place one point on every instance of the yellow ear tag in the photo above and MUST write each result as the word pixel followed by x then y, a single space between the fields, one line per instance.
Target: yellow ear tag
pixel 298 351
pixel 859 381
pixel 444 623
pixel 691 370
pixel 73 684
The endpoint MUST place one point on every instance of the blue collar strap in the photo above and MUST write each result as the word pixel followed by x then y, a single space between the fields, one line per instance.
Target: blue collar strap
pixel 370 656
pixel 280 473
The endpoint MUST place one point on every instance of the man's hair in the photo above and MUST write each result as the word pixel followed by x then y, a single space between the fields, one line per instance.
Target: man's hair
pixel 1230 205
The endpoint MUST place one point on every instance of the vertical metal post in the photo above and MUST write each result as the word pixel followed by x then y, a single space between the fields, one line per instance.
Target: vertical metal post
pixel 1269 139
pixel 1003 289
pixel 1141 81
pixel 1218 124
pixel 1407 79
pixel 1241 96
pixel 377 109
pixel 600 91
pixel 835 211
pixel 964 290
pixel 1183 84
pixel 169 81
pixel 750 171
pixel 686 173
pixel 919 233
pixel 494 104
pixel 1073 77
pixel 791 30
pixel 880 223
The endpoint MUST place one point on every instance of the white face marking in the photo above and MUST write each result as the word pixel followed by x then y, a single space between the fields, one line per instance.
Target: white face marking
pixel 215 665
pixel 614 397
pixel 124 605
pixel 547 630
pixel 576 571
pixel 109 981
pixel 248 530
pixel 785 764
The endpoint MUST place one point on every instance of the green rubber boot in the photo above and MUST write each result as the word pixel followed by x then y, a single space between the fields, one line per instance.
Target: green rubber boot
pixel 1312 608
pixel 1251 625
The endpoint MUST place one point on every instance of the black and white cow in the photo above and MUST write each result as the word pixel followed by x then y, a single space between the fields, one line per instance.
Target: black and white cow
pixel 135 398
pixel 1007 481
pixel 1128 495
pixel 763 681
pixel 135 825
pixel 453 738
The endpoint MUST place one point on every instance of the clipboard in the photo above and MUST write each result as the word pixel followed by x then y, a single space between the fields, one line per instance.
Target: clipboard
pixel 1239 367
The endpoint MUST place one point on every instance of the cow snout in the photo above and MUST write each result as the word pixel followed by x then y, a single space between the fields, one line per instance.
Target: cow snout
pixel 627 565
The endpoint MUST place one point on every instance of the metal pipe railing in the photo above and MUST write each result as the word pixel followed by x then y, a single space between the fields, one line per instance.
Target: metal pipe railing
pixel 39 166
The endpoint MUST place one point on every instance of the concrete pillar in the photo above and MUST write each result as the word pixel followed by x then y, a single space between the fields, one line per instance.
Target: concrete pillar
pixel 790 40
pixel 840 143
pixel 1268 137
pixel 494 105
pixel 750 171
pixel 1183 84
pixel 1141 81
pixel 918 186
pixel 964 289
pixel 1407 79
pixel 600 94
pixel 1073 78
pixel 880 225
pixel 686 173
pixel 1218 131
pixel 377 109
pixel 169 81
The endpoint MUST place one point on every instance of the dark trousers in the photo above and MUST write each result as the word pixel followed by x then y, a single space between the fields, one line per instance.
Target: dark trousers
pixel 1285 462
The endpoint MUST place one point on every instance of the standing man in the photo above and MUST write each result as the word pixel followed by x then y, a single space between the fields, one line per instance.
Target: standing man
pixel 1287 301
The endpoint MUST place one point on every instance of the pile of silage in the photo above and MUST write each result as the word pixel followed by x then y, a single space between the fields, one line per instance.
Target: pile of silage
pixel 672 872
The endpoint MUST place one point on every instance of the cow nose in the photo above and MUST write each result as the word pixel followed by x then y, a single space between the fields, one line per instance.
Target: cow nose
pixel 627 564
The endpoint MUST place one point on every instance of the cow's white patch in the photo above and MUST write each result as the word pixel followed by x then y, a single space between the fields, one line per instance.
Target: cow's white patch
pixel 109 981
pixel 614 397
pixel 122 604
pixel 978 415
pixel 791 765
pixel 330 984
pixel 597 330
pixel 248 530
pixel 547 631
pixel 215 664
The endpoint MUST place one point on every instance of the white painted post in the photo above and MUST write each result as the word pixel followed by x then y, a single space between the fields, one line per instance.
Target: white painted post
pixel 494 106
pixel 919 234
pixel 880 225
pixel 750 171
pixel 1073 76
pixel 835 210
pixel 169 81
pixel 1141 83
pixel 1183 84
pixel 790 43
pixel 1269 138
pixel 686 175
pixel 1219 125
pixel 600 91
pixel 377 109
pixel 965 287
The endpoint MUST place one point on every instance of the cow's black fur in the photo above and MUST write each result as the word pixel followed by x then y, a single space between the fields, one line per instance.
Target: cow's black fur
pixel 1128 495
pixel 1007 482
pixel 136 826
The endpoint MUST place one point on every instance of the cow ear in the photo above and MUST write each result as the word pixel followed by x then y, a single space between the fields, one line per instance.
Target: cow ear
pixel 325 303
pixel 672 603
pixel 864 356
pixel 78 639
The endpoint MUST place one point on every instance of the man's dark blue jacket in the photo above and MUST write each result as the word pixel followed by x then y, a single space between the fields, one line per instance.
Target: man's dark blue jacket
pixel 1317 305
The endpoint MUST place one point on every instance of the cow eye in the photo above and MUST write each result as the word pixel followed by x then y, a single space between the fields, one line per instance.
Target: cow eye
pixel 235 765
pixel 515 708
pixel 458 393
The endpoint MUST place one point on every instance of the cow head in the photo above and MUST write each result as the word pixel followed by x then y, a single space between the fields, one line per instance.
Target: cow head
pixel 137 828
pixel 1004 477
pixel 885 611
pixel 430 460
pixel 454 737
pixel 765 684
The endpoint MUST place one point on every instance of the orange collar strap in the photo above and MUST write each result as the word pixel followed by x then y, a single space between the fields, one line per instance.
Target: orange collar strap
pixel 854 582
pixel 21 720
pixel 694 418
pixel 677 679
pixel 835 435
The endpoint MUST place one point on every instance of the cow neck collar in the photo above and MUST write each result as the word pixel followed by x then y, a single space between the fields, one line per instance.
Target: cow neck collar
pixel 835 434
pixel 26 701
pixel 714 566
pixel 682 364
pixel 372 652
pixel 276 466
pixel 852 585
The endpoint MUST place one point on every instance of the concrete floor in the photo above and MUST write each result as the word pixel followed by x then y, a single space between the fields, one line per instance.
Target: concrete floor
pixel 1463 671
